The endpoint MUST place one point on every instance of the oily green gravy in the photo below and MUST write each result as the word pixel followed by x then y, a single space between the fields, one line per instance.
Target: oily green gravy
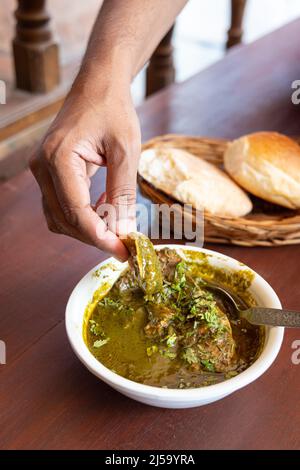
pixel 183 336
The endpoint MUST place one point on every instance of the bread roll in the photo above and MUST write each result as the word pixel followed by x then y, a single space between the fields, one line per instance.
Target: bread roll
pixel 267 164
pixel 194 181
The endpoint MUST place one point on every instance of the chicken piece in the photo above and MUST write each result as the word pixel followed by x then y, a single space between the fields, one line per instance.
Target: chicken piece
pixel 168 261
pixel 211 345
pixel 160 316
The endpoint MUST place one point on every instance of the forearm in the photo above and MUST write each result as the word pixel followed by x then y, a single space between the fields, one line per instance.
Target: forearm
pixel 124 36
pixel 98 126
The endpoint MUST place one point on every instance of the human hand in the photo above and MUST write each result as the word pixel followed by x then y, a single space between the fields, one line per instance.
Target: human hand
pixel 90 132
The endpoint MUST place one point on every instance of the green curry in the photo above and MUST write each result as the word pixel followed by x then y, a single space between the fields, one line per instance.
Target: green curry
pixel 161 325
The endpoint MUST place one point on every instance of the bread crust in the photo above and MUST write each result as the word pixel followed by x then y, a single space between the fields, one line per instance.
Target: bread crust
pixel 192 180
pixel 266 164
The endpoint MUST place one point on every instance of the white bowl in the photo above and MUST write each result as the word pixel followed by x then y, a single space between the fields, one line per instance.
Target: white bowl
pixel 163 397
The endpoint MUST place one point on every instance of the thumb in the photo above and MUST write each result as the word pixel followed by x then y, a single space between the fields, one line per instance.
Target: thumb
pixel 121 193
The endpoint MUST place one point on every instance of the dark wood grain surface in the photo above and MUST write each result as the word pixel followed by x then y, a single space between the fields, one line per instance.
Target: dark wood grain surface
pixel 47 398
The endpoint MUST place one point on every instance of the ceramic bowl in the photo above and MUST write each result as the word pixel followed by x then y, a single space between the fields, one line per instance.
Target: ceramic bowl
pixel 163 397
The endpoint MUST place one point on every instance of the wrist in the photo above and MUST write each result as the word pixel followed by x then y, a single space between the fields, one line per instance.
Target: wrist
pixel 97 76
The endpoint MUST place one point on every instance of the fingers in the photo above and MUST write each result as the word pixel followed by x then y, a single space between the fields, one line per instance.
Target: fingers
pixel 50 222
pixel 121 187
pixel 69 177
pixel 86 151
pixel 63 172
pixel 51 207
pixel 100 200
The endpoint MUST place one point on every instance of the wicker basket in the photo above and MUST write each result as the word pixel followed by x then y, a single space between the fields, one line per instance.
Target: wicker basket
pixel 267 225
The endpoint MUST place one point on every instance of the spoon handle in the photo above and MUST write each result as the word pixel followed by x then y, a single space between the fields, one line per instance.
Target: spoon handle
pixel 271 316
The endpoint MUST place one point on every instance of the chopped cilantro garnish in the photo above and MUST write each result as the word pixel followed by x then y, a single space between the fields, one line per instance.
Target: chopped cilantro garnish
pixel 189 355
pixel 95 328
pixel 171 340
pixel 204 308
pixel 208 365
pixel 116 304
pixel 100 342
pixel 179 277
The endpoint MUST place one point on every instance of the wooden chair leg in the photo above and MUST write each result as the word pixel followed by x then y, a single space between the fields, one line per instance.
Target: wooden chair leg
pixel 161 71
pixel 235 32
pixel 35 51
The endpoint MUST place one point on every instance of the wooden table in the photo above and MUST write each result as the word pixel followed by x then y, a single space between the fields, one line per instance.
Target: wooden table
pixel 47 398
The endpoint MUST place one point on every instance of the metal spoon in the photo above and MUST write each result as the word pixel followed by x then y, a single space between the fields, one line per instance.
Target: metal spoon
pixel 259 315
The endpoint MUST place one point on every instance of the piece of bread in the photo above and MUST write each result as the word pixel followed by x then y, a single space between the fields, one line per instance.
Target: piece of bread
pixel 266 164
pixel 194 181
